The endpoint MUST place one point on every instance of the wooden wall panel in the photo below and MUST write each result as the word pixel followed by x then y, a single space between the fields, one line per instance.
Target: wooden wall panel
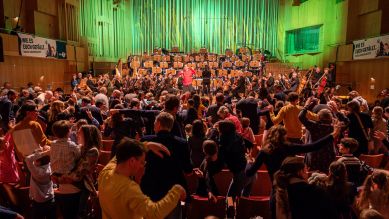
pixel 367 6
pixel 370 24
pixel 20 70
pixel 47 6
pixel 345 53
pixel 384 5
pixel 81 54
pixel 360 72
pixel 46 25
pixel 71 53
pixel 10 44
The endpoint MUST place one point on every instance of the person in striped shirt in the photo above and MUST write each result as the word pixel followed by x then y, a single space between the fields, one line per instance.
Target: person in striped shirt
pixel 356 169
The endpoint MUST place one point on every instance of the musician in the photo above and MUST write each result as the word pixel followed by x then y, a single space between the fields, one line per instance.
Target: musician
pixel 292 71
pixel 316 75
pixel 187 78
pixel 206 75
pixel 270 80
pixel 282 81
pixel 119 67
pixel 306 90
pixel 294 82
pixel 240 87
pixel 331 75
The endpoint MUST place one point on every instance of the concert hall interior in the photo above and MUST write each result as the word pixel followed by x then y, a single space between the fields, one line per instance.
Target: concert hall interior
pixel 269 102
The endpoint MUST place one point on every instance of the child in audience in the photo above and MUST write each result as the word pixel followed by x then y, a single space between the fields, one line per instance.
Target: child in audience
pixel 207 186
pixel 356 170
pixel 41 186
pixel 188 131
pixel 247 132
pixel 63 153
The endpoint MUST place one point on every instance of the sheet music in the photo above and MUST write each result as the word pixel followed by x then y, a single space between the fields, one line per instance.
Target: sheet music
pixel 25 141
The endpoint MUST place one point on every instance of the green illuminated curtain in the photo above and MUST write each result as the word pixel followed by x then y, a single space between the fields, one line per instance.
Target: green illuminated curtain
pixel 303 40
pixel 136 26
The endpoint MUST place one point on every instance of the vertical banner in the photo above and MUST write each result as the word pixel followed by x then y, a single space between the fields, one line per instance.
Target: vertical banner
pixel 371 48
pixel 61 50
pixel 41 47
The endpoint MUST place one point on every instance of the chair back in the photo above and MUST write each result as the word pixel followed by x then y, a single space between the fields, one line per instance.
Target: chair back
pixel 262 185
pixel 252 207
pixel 104 157
pixel 201 207
pixel 222 181
pixel 372 160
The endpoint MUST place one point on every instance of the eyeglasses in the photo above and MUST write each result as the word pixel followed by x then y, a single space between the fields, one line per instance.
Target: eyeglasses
pixel 142 162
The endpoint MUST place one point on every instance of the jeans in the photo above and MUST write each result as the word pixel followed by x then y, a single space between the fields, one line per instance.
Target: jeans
pixel 241 184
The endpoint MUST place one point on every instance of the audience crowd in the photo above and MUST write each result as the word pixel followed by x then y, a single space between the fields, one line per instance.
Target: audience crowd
pixel 314 149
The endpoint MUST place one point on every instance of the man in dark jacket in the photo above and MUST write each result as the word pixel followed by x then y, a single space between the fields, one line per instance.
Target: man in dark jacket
pixel 249 108
pixel 162 173
pixel 172 105
pixel 86 106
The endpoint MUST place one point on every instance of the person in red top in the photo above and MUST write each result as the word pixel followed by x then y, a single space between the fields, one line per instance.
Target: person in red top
pixel 187 76
pixel 224 113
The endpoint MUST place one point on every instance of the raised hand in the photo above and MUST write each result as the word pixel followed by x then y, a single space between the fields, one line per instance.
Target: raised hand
pixel 338 126
pixel 333 106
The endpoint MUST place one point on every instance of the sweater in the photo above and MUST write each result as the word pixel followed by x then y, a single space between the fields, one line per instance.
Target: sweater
pixel 289 116
pixel 121 197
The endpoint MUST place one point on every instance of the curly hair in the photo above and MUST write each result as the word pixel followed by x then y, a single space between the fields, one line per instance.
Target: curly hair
pixel 275 138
